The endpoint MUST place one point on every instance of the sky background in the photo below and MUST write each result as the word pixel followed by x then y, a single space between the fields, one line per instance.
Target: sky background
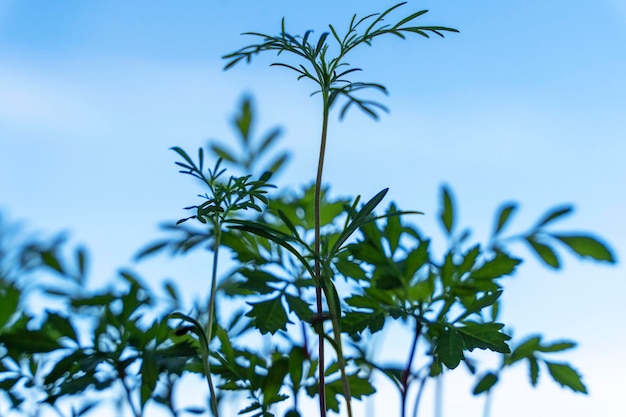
pixel 527 103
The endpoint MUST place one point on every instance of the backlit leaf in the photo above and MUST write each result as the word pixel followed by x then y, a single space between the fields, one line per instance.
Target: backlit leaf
pixel 545 252
pixel 567 376
pixel 501 265
pixel 269 316
pixel 485 383
pixel 447 210
pixel 587 247
pixel 503 217
pixel 449 349
pixel 554 215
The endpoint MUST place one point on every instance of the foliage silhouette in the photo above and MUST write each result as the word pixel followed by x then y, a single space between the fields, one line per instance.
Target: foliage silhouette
pixel 309 270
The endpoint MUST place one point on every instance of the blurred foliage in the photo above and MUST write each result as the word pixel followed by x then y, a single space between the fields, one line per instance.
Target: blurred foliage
pixel 82 349
pixel 102 340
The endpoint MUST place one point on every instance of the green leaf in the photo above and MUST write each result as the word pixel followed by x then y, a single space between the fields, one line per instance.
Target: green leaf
pixel 81 261
pixel 484 336
pixel 359 387
pixel 149 375
pixel 526 349
pixel 258 281
pixel 545 252
pixel 393 229
pixel 297 356
pixel 554 215
pixel 469 260
pixel 300 307
pixel 243 120
pixel 567 376
pixel 350 269
pixel 29 341
pixel 449 349
pixel 501 265
pixel 51 260
pixel 447 210
pixel 355 322
pixel 486 383
pixel 478 304
pixel 533 370
pixel 557 346
pixel 503 217
pixel 587 247
pixel 360 219
pixel 61 325
pixel 274 380
pixel 269 316
pixel 10 300
pixel 222 152
pixel 417 258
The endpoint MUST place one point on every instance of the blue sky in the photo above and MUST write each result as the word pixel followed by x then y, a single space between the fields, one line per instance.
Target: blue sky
pixel 527 103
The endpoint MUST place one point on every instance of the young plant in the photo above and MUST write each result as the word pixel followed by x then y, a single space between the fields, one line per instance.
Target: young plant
pixel 328 69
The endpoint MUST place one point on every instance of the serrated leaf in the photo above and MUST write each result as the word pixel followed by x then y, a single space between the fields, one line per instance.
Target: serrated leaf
pixel 499 266
pixel 258 281
pixel 300 307
pixel 484 336
pixel 447 210
pixel 269 316
pixel 449 349
pixel 487 299
pixel 567 376
pixel 355 322
pixel 350 269
pixel 587 247
pixel 486 383
pixel 415 259
pixel 524 350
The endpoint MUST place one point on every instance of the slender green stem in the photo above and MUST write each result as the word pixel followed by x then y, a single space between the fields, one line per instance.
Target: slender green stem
pixel 418 398
pixel 407 371
pixel 335 313
pixel 439 395
pixel 488 399
pixel 318 267
pixel 209 329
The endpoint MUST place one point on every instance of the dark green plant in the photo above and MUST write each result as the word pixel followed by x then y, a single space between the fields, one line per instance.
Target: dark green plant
pixel 328 69
pixel 307 268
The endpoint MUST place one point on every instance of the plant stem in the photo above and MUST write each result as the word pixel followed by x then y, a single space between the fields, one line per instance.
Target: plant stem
pixel 419 395
pixel 318 277
pixel 487 410
pixel 439 395
pixel 209 330
pixel 407 371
